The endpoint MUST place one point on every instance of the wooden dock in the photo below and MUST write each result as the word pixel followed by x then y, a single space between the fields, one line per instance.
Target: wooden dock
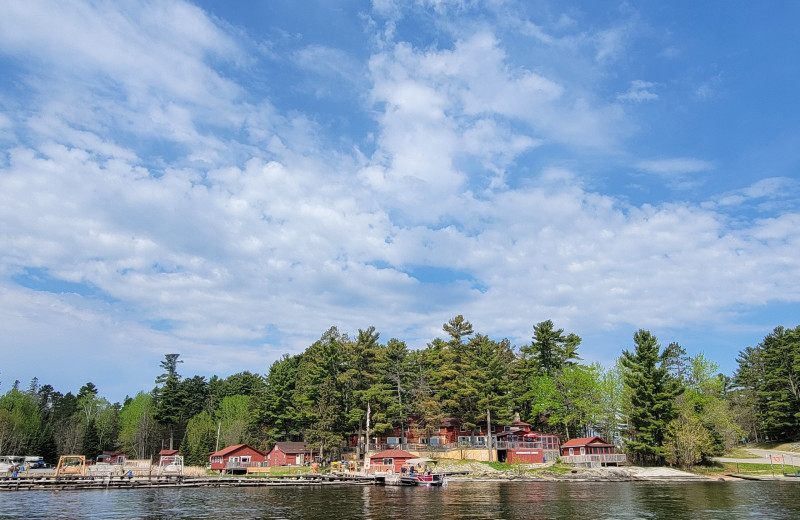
pixel 75 482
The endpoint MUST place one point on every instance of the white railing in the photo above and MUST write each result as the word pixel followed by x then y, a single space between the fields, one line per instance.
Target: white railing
pixel 617 458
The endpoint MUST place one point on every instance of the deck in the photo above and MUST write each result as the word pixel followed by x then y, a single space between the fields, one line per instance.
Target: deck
pixel 74 482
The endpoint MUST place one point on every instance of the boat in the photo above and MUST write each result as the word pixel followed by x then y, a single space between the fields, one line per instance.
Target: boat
pixel 420 472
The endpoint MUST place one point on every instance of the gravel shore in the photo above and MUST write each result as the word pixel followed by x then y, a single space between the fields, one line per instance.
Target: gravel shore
pixel 476 471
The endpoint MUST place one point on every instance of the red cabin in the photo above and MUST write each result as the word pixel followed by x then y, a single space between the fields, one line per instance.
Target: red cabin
pixel 111 457
pixel 236 459
pixel 587 446
pixel 289 454
pixel 389 461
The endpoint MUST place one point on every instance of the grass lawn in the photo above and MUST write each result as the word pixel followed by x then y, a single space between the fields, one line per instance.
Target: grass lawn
pixel 740 453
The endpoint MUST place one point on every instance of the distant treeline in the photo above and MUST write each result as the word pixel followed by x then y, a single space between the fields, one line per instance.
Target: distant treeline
pixel 658 404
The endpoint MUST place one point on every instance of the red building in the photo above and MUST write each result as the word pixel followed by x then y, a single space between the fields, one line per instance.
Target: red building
pixel 389 461
pixel 592 451
pixel 168 453
pixel 518 444
pixel 236 459
pixel 111 457
pixel 587 446
pixel 289 454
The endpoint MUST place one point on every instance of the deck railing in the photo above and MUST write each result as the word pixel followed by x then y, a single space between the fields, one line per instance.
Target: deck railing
pixel 244 465
pixel 608 458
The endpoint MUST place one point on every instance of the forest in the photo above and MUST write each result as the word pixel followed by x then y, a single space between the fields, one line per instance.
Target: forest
pixel 658 404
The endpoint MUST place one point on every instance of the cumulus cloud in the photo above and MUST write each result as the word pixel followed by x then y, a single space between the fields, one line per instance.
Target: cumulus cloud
pixel 164 207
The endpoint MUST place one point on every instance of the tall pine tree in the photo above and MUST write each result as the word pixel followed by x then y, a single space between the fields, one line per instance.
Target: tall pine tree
pixel 652 398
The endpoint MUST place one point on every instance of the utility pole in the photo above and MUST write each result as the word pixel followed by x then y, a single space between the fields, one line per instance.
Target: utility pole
pixel 366 445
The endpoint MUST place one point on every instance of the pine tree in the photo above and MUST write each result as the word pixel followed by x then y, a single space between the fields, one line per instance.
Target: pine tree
pixel 652 398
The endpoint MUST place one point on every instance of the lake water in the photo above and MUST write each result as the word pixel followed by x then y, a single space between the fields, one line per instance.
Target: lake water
pixel 459 500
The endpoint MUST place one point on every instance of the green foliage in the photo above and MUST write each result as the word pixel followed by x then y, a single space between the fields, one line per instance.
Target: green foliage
pixel 199 440
pixel 91 441
pixel 551 349
pixel 275 415
pixel 137 426
pixel 19 422
pixel 665 405
pixel 768 385
pixel 233 414
pixel 318 396
pixel 170 397
pixel 686 440
pixel 652 398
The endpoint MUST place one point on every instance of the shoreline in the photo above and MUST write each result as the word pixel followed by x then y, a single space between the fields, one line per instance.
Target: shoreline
pixel 469 472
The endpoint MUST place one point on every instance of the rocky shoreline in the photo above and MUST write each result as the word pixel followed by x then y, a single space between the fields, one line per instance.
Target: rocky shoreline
pixel 477 471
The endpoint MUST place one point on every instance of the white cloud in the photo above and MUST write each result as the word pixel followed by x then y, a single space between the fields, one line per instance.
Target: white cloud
pixel 639 91
pixel 674 167
pixel 242 226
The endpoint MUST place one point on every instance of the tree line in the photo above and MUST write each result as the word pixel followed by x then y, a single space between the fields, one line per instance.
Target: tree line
pixel 657 403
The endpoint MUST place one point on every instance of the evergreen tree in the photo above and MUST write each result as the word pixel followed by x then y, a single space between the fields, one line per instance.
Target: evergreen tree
pixel 170 397
pixel 91 441
pixel 394 366
pixel 318 397
pixel 551 349
pixel 275 415
pixel 652 398
pixel 780 390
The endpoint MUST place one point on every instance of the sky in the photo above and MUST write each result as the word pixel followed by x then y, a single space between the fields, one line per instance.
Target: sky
pixel 228 180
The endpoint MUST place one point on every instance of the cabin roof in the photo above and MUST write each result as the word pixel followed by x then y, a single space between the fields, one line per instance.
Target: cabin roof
pixel 292 447
pixel 231 449
pixel 585 441
pixel 393 454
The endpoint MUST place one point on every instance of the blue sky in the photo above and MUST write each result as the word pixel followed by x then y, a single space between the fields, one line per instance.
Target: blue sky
pixel 226 180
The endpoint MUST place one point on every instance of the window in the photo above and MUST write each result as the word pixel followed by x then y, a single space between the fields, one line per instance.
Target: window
pixel 392 440
pixel 477 429
pixel 480 441
pixel 506 428
pixel 246 459
pixel 434 440
pixel 464 428
pixel 464 439
pixel 388 462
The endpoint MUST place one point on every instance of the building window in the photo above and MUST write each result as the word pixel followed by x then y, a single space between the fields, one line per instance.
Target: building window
pixel 506 428
pixel 464 428
pixel 388 462
pixel 393 440
pixel 434 440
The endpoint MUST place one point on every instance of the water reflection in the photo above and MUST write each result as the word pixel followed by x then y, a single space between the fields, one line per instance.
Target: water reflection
pixel 460 500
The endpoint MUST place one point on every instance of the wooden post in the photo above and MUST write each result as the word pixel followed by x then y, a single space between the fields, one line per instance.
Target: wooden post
pixel 489 432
